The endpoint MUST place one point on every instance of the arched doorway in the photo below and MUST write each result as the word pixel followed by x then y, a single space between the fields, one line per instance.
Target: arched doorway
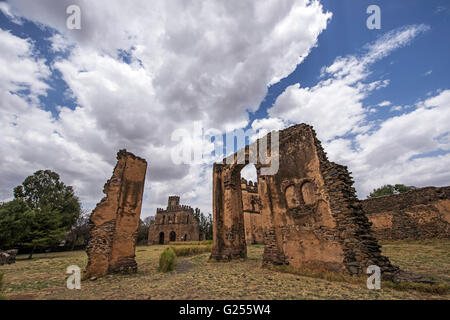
pixel 173 236
pixel 185 237
pixel 161 238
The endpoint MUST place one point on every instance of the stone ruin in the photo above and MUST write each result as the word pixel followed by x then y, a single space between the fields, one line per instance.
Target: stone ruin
pixel 115 220
pixel 8 256
pixel 310 215
pixel 175 223
pixel 417 214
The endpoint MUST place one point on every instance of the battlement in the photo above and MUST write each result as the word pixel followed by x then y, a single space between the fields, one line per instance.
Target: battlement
pixel 174 205
pixel 249 186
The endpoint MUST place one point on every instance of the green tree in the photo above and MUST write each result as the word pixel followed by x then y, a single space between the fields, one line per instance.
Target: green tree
pixel 79 233
pixel 205 223
pixel 44 189
pixel 142 232
pixel 15 222
pixel 46 229
pixel 389 189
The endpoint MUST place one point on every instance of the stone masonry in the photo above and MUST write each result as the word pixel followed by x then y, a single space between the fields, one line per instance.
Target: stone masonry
pixel 417 214
pixel 252 213
pixel 115 220
pixel 175 223
pixel 310 215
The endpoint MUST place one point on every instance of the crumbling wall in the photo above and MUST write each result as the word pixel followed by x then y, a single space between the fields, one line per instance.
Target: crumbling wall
pixel 311 217
pixel 115 220
pixel 417 214
pixel 177 219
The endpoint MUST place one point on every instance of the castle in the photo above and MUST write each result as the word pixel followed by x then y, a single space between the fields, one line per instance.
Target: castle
pixel 175 223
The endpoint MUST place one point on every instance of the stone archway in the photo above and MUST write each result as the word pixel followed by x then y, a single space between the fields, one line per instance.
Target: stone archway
pixel 310 214
pixel 173 236
pixel 161 238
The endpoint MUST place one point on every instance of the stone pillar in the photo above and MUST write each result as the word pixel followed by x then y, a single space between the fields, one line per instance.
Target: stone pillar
pixel 115 220
pixel 228 227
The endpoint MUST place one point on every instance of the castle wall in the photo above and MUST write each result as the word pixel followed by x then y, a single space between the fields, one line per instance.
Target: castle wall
pixel 417 214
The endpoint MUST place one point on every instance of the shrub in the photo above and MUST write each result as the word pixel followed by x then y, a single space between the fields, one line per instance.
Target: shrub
pixel 191 250
pixel 167 260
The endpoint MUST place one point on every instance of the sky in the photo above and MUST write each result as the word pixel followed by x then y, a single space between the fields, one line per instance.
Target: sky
pixel 138 71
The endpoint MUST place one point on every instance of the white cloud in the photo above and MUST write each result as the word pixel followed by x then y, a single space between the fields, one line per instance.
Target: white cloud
pixel 334 106
pixel 401 150
pixel 196 62
pixel 411 148
pixel 384 103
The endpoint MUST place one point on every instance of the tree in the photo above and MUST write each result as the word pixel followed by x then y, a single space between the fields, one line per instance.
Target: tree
pixel 142 232
pixel 389 189
pixel 43 210
pixel 46 229
pixel 15 222
pixel 44 189
pixel 79 233
pixel 205 223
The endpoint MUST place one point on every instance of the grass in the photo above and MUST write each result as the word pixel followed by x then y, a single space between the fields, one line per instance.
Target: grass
pixel 190 243
pixel 182 251
pixel 44 277
pixel 1 287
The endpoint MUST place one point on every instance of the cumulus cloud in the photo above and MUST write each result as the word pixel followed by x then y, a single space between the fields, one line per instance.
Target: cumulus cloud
pixel 411 148
pixel 197 62
pixel 334 106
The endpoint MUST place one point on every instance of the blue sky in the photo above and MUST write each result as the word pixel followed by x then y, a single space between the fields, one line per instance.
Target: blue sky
pixel 407 68
pixel 137 72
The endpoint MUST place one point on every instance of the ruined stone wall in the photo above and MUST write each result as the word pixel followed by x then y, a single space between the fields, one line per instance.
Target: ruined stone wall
pixel 418 214
pixel 310 215
pixel 115 220
pixel 252 212
pixel 177 219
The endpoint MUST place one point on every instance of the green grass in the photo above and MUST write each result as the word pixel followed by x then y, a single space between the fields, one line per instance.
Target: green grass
pixel 190 243
pixel 182 251
pixel 44 277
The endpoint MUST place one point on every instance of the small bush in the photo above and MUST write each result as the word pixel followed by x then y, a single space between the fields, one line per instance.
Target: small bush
pixel 190 243
pixel 167 260
pixel 191 250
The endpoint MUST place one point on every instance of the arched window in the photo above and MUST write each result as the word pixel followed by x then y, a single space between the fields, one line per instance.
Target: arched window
pixel 292 196
pixel 309 193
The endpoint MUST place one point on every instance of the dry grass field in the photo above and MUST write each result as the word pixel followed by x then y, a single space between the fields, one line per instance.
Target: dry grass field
pixel 44 277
